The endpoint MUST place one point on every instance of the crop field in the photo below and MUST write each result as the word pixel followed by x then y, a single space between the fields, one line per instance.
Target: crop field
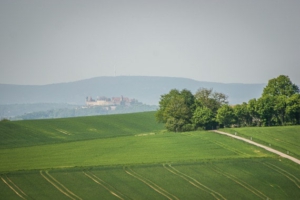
pixel 168 147
pixel 39 132
pixel 283 138
pixel 131 157
pixel 259 178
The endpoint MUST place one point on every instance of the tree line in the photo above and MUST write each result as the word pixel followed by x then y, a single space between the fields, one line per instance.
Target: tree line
pixel 279 104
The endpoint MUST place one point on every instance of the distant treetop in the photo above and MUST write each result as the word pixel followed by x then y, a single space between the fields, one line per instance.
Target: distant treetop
pixel 282 85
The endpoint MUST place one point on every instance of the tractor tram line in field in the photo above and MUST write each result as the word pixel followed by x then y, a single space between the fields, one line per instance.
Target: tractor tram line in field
pixel 194 182
pixel 59 186
pixel 288 175
pixel 14 187
pixel 152 185
pixel 105 185
pixel 241 183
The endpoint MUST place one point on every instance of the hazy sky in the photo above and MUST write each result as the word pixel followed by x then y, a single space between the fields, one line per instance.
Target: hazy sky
pixel 49 41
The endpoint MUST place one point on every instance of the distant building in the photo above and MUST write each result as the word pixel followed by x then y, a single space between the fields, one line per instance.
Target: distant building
pixel 114 101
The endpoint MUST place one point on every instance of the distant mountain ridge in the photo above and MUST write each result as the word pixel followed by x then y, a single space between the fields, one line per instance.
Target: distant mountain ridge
pixel 145 89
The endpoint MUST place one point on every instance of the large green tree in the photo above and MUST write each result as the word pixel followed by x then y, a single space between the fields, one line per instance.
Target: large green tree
pixel 163 103
pixel 273 103
pixel 176 110
pixel 203 118
pixel 207 104
pixel 208 98
pixel 265 109
pixel 225 115
pixel 242 114
pixel 282 85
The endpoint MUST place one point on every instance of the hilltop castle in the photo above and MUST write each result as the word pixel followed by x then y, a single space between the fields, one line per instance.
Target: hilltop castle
pixel 114 101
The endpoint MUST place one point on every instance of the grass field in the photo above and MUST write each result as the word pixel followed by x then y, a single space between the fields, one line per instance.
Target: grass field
pixel 131 157
pixel 258 178
pixel 49 131
pixel 168 147
pixel 283 138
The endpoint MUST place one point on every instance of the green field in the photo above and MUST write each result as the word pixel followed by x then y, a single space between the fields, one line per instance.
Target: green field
pixel 283 138
pixel 49 131
pixel 130 156
pixel 258 178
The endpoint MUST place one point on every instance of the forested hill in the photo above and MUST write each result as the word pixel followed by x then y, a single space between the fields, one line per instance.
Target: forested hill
pixel 144 89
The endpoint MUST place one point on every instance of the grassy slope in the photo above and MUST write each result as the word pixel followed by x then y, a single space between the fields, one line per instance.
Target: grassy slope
pixel 282 138
pixel 104 146
pixel 128 150
pixel 38 132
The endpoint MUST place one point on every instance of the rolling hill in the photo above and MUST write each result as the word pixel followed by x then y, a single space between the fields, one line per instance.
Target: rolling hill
pixel 130 156
pixel 145 89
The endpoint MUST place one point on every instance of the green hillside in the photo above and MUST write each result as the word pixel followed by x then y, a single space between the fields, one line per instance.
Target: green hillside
pixel 38 132
pixel 128 150
pixel 130 156
pixel 283 138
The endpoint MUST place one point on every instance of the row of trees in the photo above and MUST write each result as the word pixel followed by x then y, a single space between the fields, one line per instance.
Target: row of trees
pixel 279 104
pixel 206 109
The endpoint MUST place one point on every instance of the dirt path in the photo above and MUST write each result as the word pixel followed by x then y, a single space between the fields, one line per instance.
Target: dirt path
pixel 261 146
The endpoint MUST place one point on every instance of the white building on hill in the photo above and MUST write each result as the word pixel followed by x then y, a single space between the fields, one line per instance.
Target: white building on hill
pixel 103 101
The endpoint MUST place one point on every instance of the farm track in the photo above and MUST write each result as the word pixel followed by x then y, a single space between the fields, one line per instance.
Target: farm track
pixel 261 146
pixel 194 182
pixel 288 175
pixel 105 185
pixel 59 186
pixel 152 185
pixel 14 187
pixel 241 183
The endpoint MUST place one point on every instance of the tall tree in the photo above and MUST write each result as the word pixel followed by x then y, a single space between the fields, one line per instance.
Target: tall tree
pixel 282 85
pixel 203 117
pixel 189 100
pixel 175 110
pixel 265 109
pixel 276 93
pixel 207 104
pixel 208 98
pixel 242 114
pixel 225 115
pixel 161 114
